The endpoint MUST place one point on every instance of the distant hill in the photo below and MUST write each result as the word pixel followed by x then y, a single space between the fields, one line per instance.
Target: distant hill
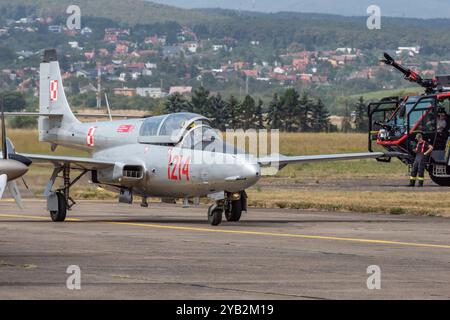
pixel 134 12
pixel 126 11
pixel 274 30
pixel 397 8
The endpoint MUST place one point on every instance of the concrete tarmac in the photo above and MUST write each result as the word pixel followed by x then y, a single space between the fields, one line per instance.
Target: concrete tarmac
pixel 166 252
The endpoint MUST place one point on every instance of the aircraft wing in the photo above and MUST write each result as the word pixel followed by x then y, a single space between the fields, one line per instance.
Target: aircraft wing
pixel 77 163
pixel 281 160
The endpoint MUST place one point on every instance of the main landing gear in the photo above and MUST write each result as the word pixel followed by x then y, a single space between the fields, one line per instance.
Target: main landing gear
pixel 232 206
pixel 59 201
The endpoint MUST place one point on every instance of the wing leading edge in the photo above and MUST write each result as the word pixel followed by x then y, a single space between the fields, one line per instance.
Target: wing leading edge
pixel 281 160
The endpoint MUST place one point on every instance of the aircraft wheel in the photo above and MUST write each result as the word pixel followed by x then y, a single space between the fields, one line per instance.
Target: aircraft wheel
pixel 215 215
pixel 60 214
pixel 234 213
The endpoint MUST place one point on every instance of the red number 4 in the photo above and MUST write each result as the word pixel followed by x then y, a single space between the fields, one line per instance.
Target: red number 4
pixel 177 165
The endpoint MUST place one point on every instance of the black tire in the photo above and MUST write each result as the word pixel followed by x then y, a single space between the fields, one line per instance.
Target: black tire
pixel 60 215
pixel 234 213
pixel 215 216
pixel 443 182
pixel 244 198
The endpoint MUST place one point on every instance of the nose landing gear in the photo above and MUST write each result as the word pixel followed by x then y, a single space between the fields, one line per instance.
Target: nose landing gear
pixel 236 203
pixel 215 213
pixel 232 206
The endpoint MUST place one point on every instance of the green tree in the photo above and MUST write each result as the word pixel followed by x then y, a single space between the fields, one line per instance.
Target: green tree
pixel 259 115
pixel 201 103
pixel 361 118
pixel 23 122
pixel 320 117
pixel 13 101
pixel 74 86
pixel 304 113
pixel 7 56
pixel 290 110
pixel 248 107
pixel 274 116
pixel 235 109
pixel 177 103
pixel 221 113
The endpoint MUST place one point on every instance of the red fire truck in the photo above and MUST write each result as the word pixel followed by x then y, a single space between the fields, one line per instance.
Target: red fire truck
pixel 394 123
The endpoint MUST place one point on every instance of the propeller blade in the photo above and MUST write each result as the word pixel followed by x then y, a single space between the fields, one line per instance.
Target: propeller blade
pixel 14 190
pixel 3 182
pixel 10 146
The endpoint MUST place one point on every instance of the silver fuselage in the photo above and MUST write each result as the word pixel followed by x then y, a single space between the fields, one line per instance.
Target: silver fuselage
pixel 168 170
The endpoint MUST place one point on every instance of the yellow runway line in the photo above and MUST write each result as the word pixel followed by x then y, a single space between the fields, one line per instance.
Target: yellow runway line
pixel 286 235
pixel 249 232
pixel 34 217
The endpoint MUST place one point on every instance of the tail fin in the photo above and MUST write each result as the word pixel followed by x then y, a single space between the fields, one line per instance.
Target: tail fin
pixel 52 98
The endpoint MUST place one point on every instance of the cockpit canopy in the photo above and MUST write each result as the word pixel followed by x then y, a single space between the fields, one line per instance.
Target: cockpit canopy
pixel 170 129
pixel 187 130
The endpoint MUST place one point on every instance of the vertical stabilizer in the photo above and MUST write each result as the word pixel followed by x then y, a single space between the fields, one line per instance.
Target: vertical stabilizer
pixel 52 98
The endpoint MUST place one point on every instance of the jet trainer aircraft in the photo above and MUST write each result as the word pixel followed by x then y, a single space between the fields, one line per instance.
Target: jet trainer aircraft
pixel 12 165
pixel 168 156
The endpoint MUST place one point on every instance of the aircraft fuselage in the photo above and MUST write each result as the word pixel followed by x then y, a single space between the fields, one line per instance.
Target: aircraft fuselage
pixel 156 170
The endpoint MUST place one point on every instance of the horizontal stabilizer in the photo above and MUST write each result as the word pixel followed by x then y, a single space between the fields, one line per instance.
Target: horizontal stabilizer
pixel 83 115
pixel 32 114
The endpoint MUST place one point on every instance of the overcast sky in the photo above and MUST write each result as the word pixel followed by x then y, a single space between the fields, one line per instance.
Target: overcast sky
pixel 398 8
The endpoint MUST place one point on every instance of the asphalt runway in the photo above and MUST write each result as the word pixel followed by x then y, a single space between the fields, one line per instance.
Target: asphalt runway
pixel 166 252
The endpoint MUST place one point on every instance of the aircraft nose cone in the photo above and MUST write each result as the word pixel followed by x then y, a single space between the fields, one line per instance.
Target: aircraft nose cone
pixel 251 172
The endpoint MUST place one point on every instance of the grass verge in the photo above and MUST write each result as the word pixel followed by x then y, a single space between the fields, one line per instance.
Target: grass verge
pixel 413 202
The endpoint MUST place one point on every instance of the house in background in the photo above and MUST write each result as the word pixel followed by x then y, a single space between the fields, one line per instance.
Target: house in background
pixel 173 52
pixel 155 93
pixel 180 90
pixel 127 92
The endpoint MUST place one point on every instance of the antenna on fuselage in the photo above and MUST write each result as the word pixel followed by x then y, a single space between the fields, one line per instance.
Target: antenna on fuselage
pixel 108 108
pixel 4 146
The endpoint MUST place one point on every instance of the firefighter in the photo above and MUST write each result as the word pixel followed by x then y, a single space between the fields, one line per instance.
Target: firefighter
pixel 423 150
pixel 442 122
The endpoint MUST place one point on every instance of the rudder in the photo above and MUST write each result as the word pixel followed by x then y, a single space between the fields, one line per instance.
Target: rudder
pixel 52 98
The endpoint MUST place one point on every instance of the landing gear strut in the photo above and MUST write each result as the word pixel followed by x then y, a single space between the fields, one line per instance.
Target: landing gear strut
pixel 59 201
